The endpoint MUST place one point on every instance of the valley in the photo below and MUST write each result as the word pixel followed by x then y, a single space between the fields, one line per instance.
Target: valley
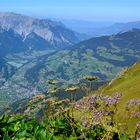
pixel 103 57
pixel 69 70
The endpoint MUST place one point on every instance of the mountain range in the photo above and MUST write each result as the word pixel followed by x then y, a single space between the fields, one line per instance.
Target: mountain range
pixel 116 28
pixel 94 28
pixel 101 56
pixel 34 51
pixel 50 33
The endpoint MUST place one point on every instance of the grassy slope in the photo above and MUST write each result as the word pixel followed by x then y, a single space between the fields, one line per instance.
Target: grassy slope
pixel 128 84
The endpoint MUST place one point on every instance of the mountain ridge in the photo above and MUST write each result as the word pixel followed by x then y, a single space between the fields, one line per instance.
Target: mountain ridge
pixel 101 56
pixel 55 33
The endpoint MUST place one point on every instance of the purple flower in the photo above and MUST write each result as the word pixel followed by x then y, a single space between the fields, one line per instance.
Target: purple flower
pixel 138 125
pixel 112 100
pixel 135 114
pixel 97 107
pixel 85 123
pixel 133 102
pixel 80 105
pixel 83 136
pixel 97 116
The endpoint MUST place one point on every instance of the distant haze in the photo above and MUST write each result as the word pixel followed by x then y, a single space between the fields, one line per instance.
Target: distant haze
pixel 91 10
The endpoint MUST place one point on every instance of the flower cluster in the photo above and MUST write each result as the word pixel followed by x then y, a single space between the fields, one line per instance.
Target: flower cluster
pixel 90 78
pixel 138 125
pixel 72 88
pixel 98 107
pixel 96 101
pixel 53 82
pixel 112 100
pixel 133 107
pixel 133 102
pixel 39 97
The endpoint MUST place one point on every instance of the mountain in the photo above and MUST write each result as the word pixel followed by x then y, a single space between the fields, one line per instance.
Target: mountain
pixel 101 56
pixel 116 28
pixel 94 28
pixel 23 34
pixel 35 42
pixel 11 42
pixel 127 83
pixel 84 26
pixel 54 33
pixel 6 71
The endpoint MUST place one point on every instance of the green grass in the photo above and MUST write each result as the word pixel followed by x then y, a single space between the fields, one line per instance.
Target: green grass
pixel 108 54
pixel 50 119
pixel 128 84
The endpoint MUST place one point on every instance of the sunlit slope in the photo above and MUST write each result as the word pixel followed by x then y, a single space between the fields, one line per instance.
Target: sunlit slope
pixel 128 84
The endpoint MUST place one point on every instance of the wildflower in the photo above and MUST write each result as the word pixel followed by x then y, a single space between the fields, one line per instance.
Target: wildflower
pixel 97 114
pixel 93 101
pixel 53 82
pixel 83 136
pixel 112 100
pixel 133 102
pixel 135 114
pixel 39 97
pixel 79 105
pixel 53 90
pixel 90 78
pixel 72 88
pixel 138 125
pixel 85 123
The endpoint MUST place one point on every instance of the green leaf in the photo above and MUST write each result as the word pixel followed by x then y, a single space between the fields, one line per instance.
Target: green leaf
pixel 16 127
pixel 6 137
pixel 42 134
pixel 12 119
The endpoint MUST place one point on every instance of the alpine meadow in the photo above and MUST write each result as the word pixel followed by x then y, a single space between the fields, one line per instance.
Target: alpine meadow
pixel 70 70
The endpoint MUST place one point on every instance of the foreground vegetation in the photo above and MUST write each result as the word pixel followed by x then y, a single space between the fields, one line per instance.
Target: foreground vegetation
pixel 99 116
pixel 91 118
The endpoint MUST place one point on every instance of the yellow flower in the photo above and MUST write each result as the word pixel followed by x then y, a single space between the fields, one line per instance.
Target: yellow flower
pixel 72 88
pixel 53 82
pixel 39 97
pixel 90 78
pixel 53 90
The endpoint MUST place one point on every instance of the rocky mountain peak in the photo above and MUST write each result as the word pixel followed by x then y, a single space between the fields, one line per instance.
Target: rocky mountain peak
pixel 53 32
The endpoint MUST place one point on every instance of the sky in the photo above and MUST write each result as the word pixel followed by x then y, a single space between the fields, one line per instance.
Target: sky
pixel 91 10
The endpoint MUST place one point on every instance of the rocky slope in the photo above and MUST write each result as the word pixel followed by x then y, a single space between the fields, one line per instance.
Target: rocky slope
pixel 54 33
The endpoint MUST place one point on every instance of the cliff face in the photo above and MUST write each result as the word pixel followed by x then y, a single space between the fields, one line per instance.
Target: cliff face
pixel 53 32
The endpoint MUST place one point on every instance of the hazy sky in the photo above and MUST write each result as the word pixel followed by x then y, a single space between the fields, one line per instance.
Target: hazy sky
pixel 95 10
